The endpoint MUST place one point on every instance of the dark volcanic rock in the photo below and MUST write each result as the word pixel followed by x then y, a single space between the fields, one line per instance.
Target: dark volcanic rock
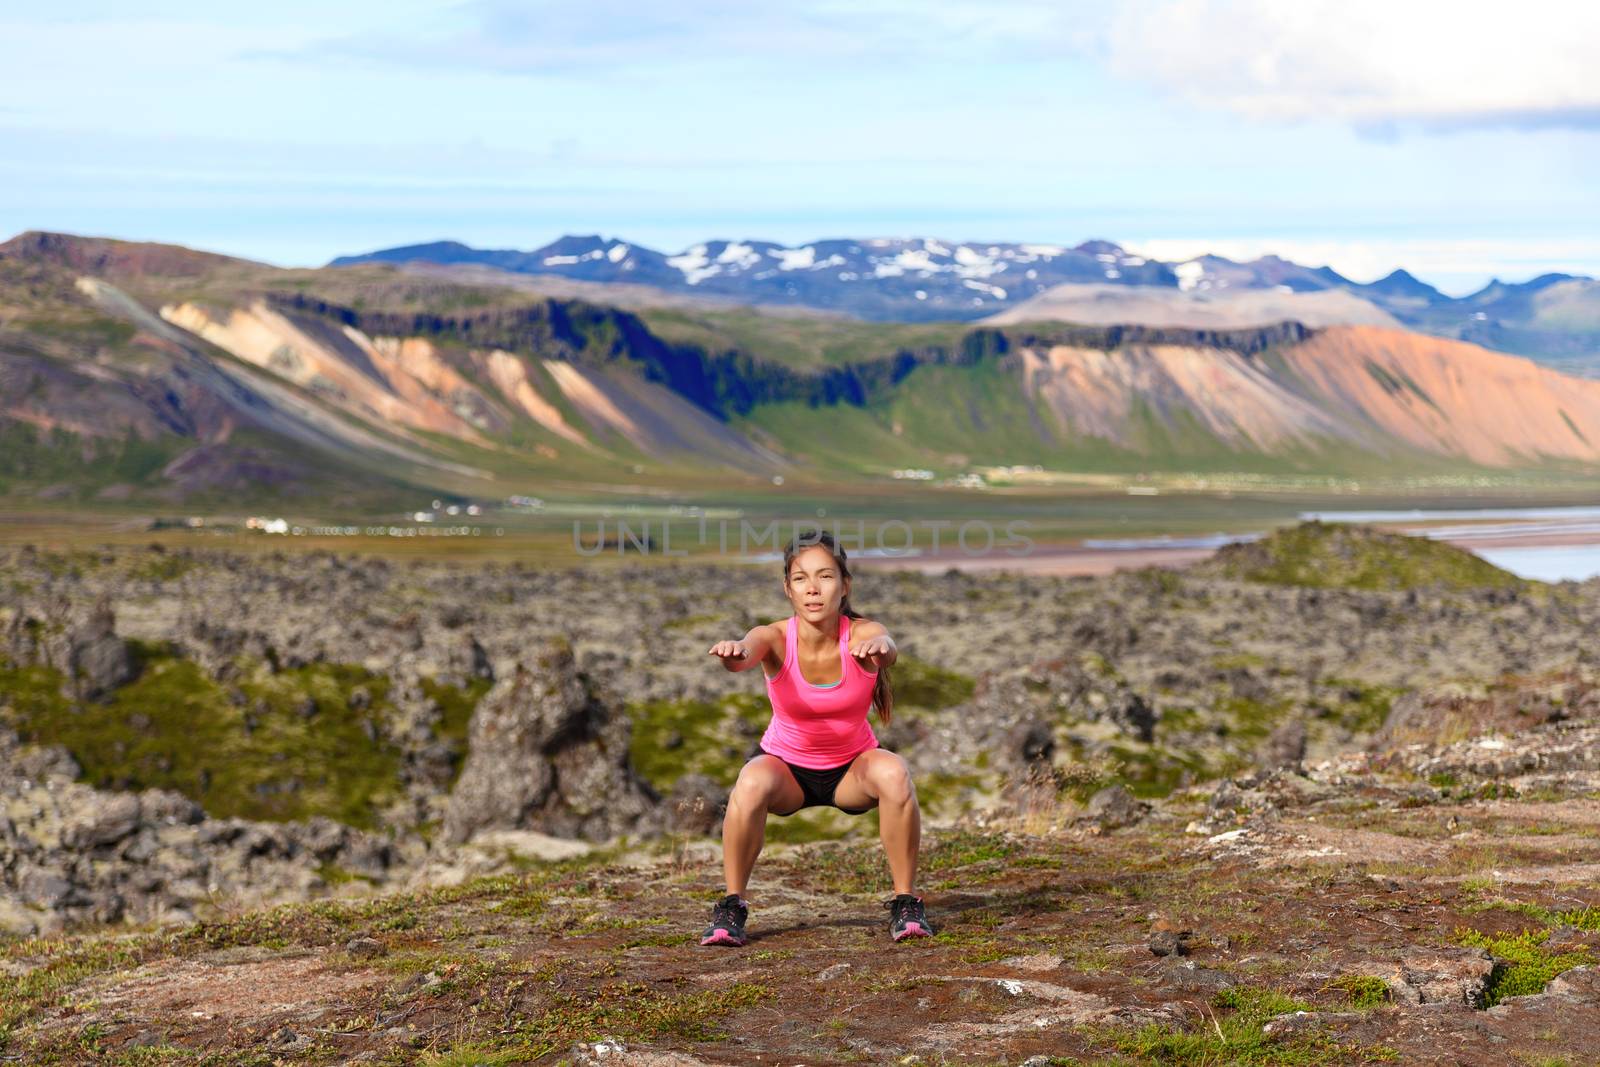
pixel 547 754
pixel 1023 716
pixel 1167 939
pixel 1114 807
pixel 111 819
pixel 474 659
pixel 1190 977
pixel 1031 741
pixel 45 761
pixel 1285 747
pixel 99 659
pixel 1443 976
pixel 72 854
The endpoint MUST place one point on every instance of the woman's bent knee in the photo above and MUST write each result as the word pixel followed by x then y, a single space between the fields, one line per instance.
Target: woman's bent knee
pixel 755 790
pixel 747 800
pixel 894 785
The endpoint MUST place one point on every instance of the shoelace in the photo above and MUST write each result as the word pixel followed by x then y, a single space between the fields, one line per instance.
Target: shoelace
pixel 903 908
pixel 725 913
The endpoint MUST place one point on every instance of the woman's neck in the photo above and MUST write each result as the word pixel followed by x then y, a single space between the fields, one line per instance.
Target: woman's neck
pixel 819 635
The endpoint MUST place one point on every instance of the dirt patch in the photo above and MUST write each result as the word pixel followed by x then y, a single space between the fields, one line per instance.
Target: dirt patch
pixel 246 991
pixel 1299 843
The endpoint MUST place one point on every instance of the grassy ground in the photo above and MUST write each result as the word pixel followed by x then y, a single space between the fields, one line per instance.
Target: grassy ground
pixel 1041 951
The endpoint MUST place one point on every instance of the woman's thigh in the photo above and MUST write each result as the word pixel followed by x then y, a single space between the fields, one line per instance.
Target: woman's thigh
pixel 862 784
pixel 766 779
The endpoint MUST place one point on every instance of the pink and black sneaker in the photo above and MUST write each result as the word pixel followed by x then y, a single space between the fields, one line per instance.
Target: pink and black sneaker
pixel 727 922
pixel 907 917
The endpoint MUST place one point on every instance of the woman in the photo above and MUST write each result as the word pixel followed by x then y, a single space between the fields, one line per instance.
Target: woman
pixel 825 666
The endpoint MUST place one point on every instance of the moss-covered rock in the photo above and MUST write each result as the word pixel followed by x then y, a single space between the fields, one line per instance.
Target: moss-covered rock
pixel 1345 556
pixel 276 746
pixel 672 738
pixel 31 693
pixel 457 702
pixel 918 683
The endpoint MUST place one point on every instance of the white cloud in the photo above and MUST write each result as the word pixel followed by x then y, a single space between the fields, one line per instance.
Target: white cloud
pixel 1379 64
pixel 1375 63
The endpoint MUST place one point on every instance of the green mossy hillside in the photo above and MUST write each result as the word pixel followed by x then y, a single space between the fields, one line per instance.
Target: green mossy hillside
pixel 1345 556
pixel 30 457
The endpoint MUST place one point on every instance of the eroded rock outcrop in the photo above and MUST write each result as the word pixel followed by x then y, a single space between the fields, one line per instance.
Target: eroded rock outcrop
pixel 99 659
pixel 548 752
pixel 1522 733
pixel 70 853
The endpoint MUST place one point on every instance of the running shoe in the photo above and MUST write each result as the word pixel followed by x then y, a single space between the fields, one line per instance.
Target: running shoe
pixel 727 922
pixel 907 917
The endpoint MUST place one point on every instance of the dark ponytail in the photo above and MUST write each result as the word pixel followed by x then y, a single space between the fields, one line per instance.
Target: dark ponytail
pixel 882 690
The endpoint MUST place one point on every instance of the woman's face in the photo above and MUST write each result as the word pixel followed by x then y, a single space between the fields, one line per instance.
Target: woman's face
pixel 815 586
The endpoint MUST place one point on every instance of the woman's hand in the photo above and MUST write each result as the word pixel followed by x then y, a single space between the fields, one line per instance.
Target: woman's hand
pixel 747 652
pixel 874 650
pixel 731 652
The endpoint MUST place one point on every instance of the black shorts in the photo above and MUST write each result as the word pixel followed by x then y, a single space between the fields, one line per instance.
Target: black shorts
pixel 817 786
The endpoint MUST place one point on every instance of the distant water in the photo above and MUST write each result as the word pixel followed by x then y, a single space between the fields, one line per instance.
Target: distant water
pixel 853 553
pixel 1561 515
pixel 1164 541
pixel 1546 563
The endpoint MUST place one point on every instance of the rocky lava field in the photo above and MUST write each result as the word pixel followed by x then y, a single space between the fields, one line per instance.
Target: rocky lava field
pixel 1333 797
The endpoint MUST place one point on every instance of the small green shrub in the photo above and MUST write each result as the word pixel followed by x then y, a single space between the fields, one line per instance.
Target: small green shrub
pixel 1234 1036
pixel 1524 966
pixel 1362 991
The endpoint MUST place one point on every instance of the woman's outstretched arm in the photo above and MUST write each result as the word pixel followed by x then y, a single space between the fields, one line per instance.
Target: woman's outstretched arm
pixel 871 644
pixel 746 652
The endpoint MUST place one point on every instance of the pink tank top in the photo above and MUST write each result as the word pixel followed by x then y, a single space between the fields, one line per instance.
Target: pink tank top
pixel 819 726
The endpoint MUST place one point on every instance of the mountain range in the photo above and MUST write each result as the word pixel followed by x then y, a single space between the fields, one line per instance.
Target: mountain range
pixel 1554 317
pixel 136 371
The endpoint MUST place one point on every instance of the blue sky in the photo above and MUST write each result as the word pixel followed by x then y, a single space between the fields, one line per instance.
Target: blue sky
pixel 1459 140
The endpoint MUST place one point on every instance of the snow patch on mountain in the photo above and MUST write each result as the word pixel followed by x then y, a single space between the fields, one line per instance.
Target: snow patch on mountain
pixel 993 290
pixel 695 264
pixel 794 258
pixel 739 255
pixel 916 259
pixel 565 261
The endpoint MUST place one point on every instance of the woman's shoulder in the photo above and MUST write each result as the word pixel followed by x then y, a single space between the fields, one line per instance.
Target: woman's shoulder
pixel 862 627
